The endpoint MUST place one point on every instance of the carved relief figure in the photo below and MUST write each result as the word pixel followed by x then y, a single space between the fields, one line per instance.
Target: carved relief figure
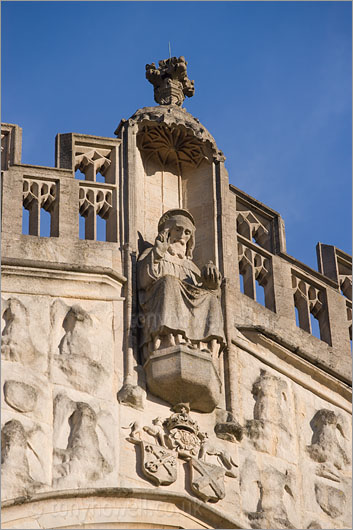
pixel 325 447
pixel 20 396
pixel 79 350
pixel 271 510
pixel 77 324
pixel 330 448
pixel 16 342
pixel 180 303
pixel 82 459
pixel 136 432
pixel 15 473
pixel 223 457
pixel 156 431
pixel 270 430
pixel 331 500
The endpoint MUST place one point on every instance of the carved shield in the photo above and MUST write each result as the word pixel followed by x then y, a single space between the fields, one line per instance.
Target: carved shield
pixel 158 464
pixel 207 480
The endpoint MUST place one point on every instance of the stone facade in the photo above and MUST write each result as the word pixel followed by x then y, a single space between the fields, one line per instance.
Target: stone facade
pixel 143 383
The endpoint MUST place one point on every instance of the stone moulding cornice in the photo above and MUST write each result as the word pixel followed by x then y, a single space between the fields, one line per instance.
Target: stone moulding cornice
pixel 67 267
pixel 308 272
pixel 60 171
pixel 173 116
pixel 295 357
pixel 182 501
pixel 254 204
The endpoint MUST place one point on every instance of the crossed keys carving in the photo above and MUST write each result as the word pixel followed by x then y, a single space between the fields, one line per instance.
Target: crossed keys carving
pixel 162 457
pixel 158 464
pixel 180 437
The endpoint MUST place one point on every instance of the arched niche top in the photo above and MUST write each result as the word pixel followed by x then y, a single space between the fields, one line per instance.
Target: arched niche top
pixel 171 135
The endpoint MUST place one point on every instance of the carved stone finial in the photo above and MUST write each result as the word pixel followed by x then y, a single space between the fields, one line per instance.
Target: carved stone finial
pixel 170 81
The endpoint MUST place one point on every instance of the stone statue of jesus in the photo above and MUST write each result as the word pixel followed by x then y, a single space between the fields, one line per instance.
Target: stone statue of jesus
pixel 180 303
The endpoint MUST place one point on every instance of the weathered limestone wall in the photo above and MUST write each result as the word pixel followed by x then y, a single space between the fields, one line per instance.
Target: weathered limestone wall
pixel 200 198
pixel 85 444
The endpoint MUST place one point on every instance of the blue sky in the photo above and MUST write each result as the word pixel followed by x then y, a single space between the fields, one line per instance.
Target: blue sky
pixel 272 85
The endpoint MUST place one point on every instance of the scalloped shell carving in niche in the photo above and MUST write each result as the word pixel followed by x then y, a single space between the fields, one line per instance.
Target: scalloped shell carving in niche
pixel 172 146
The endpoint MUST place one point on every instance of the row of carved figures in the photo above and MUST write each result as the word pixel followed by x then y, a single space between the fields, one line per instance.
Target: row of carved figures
pixel 81 455
pixel 77 351
pixel 78 428
pixel 17 344
pixel 163 444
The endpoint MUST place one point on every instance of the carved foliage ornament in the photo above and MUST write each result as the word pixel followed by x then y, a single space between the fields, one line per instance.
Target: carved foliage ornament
pixel 176 437
pixel 174 118
pixel 16 471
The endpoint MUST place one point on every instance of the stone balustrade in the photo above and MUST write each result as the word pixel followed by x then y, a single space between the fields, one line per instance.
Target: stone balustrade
pixel 255 265
pixel 306 306
pixel 98 200
pixel 67 195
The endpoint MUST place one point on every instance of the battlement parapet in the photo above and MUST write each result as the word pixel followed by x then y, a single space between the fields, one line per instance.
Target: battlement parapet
pixel 294 296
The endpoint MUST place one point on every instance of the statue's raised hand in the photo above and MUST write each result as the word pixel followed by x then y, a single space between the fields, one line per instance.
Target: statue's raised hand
pixel 211 277
pixel 161 243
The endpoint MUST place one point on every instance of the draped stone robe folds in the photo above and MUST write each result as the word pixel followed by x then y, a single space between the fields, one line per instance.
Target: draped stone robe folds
pixel 172 299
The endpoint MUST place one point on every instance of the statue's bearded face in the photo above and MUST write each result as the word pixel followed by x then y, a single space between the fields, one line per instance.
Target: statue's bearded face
pixel 180 232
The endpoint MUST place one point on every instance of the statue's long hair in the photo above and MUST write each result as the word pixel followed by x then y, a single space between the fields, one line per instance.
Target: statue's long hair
pixel 167 218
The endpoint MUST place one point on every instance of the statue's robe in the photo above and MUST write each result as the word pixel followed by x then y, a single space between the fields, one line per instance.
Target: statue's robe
pixel 172 299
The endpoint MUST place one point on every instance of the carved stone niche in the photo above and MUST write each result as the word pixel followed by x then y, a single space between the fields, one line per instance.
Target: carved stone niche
pixel 181 318
pixel 172 136
pixel 172 146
